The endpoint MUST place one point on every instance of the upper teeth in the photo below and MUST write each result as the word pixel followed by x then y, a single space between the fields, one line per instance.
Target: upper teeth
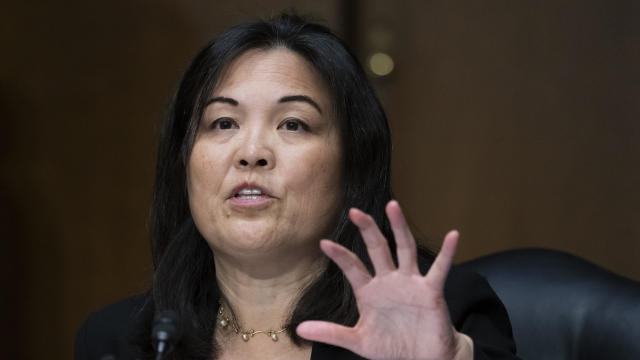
pixel 250 192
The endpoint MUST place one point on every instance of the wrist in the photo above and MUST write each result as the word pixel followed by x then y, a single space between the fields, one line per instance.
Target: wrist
pixel 464 347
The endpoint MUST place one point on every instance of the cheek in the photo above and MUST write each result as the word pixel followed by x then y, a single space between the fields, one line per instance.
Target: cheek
pixel 316 178
pixel 317 196
pixel 204 176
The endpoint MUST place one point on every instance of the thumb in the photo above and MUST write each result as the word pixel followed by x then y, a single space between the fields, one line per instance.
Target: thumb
pixel 329 333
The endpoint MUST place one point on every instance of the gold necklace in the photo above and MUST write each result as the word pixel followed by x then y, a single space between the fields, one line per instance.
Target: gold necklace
pixel 224 321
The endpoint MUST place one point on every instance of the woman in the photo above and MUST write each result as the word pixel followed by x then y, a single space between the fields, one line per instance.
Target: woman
pixel 275 140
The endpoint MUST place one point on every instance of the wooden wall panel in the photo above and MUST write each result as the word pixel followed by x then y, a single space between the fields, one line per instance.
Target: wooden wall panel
pixel 517 122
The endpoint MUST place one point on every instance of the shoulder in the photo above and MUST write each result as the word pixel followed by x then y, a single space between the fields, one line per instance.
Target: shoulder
pixel 107 331
pixel 464 291
pixel 467 291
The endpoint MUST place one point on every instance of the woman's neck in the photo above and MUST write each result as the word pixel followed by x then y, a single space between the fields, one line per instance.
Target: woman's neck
pixel 261 293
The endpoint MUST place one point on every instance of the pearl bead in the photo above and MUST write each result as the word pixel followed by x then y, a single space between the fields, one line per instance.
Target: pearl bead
pixel 245 337
pixel 224 323
pixel 274 337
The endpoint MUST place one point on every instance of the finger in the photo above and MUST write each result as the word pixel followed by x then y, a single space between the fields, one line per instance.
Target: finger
pixel 405 243
pixel 377 245
pixel 348 262
pixel 437 275
pixel 329 333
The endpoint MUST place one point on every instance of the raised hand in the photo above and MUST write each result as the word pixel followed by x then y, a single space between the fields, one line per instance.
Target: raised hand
pixel 403 315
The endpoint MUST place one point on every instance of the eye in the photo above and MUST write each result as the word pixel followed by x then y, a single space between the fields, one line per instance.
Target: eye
pixel 224 123
pixel 292 124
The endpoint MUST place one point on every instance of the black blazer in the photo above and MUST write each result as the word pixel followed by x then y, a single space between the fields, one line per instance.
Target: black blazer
pixel 474 307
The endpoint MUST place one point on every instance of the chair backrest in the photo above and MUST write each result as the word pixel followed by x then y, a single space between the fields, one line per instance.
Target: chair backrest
pixel 563 307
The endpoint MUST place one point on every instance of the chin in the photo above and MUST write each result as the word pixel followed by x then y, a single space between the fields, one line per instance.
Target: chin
pixel 246 238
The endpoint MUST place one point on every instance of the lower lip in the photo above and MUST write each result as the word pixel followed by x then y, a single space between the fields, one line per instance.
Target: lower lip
pixel 251 202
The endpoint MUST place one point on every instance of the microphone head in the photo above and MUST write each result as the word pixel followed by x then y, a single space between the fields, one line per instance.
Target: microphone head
pixel 166 327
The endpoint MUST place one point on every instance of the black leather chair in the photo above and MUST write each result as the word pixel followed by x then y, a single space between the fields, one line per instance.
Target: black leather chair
pixel 563 307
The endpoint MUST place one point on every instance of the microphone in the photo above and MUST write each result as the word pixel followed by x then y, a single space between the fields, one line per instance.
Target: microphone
pixel 165 332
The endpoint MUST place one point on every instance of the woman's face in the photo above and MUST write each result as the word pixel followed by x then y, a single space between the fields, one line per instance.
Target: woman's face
pixel 265 171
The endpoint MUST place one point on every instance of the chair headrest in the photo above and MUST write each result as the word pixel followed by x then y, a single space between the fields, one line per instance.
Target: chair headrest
pixel 564 307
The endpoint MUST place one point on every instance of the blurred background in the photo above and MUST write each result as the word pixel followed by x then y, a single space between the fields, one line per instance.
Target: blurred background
pixel 516 122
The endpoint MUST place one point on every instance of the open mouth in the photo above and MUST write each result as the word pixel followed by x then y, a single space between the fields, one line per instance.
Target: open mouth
pixel 249 194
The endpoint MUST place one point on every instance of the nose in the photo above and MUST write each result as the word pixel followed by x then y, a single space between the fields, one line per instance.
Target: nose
pixel 255 152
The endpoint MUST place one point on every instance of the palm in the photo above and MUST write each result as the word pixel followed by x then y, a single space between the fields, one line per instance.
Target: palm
pixel 403 314
pixel 401 317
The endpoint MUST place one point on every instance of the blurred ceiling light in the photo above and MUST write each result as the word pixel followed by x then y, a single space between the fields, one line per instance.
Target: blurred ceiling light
pixel 381 64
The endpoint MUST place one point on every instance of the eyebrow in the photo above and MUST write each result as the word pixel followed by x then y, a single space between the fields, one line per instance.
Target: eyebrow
pixel 290 98
pixel 302 98
pixel 222 99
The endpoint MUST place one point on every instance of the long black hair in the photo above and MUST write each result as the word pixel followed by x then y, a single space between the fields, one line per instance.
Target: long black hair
pixel 184 277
